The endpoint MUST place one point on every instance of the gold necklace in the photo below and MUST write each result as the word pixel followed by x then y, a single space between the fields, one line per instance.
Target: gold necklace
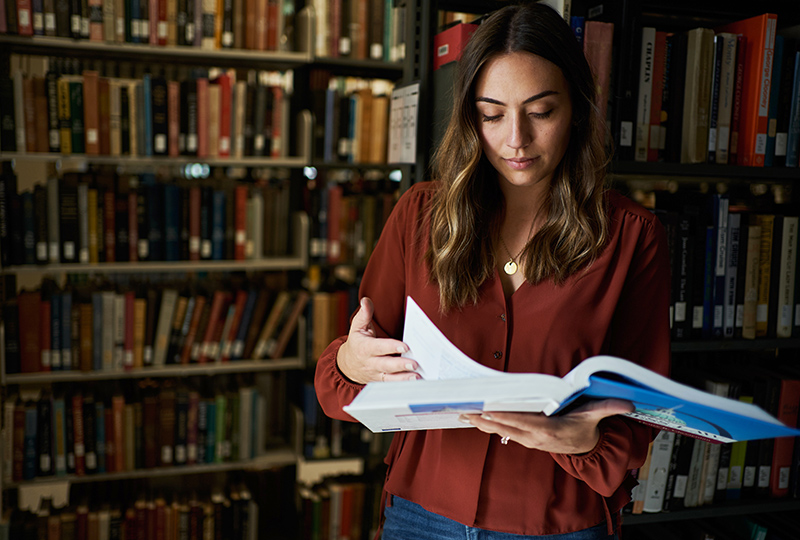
pixel 511 266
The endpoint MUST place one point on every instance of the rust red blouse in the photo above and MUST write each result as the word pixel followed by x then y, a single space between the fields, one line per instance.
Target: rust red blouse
pixel 618 306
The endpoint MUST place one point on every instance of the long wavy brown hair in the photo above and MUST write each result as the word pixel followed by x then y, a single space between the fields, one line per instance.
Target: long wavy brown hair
pixel 468 206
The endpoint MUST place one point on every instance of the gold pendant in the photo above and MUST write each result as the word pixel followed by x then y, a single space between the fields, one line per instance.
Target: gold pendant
pixel 510 268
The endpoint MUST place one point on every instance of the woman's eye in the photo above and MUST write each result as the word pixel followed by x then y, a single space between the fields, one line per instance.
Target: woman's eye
pixel 542 116
pixel 492 118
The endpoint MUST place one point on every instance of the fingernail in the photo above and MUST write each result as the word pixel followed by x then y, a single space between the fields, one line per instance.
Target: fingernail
pixel 464 418
pixel 401 348
pixel 410 367
pixel 486 416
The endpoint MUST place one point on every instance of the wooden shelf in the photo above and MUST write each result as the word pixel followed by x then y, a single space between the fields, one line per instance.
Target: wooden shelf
pixel 82 160
pixel 655 171
pixel 735 345
pixel 729 509
pixel 272 458
pixel 141 52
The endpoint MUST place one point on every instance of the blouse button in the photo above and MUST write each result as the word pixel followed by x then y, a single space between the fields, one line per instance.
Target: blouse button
pixel 498 354
pixel 503 317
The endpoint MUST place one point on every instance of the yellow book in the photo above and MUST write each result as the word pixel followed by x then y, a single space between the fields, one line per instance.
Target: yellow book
pixel 766 222
pixel 64 118
pixel 139 316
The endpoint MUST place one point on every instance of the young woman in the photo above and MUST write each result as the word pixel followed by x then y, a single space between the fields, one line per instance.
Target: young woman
pixel 524 259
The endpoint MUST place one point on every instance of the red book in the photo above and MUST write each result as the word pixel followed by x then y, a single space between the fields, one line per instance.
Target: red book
pixel 217 309
pixel 224 82
pixel 273 33
pixel 154 14
pixel 162 26
pixel 45 328
pixel 597 47
pixel 24 17
pixel 202 117
pixel 29 306
pixel 289 324
pixel 77 437
pixel 760 34
pixel 194 326
pixel 91 111
pixel 788 404
pixel 736 112
pixel 250 24
pixel 173 116
pixel 29 113
pixel 239 221
pixel 227 341
pixel 95 25
pixel 260 26
pixel 656 138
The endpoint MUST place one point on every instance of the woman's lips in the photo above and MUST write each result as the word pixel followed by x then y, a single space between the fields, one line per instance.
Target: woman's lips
pixel 520 163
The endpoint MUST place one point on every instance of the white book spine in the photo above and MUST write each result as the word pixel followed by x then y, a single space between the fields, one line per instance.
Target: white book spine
pixel 659 467
pixel 645 92
pixel 786 281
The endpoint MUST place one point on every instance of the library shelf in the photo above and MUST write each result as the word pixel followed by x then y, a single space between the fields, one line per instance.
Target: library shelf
pixel 737 508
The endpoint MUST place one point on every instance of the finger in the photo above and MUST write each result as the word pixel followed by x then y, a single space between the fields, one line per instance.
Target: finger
pixel 362 320
pixel 597 410
pixel 397 365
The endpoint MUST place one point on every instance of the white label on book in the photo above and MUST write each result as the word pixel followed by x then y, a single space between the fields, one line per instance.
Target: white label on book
pixel 129 358
pixel 718 316
pixel 55 138
pixel 84 26
pixel 91 136
pixel 344 46
pixel 69 251
pixel 190 32
pixel 238 348
pixel 191 453
pixel 722 478
pixel 144 29
pixel 240 238
pixel 79 449
pixel 180 454
pixel 680 311
pixel 53 251
pixel 147 356
pixel 735 477
pixel 712 139
pixel 136 31
pixel 44 462
pixel 761 143
pixel 45 358
pixel 55 359
pixel 258 142
pixel 23 15
pixel 205 249
pixel 50 21
pixel 75 24
pixel 443 50
pixel 786 315
pixel 739 316
pixel 761 313
pixel 749 477
pixel 781 143
pixel 38 20
pixel 66 357
pixel 224 144
pixel 61 463
pixel 227 39
pixel 763 476
pixel 166 454
pixel 162 29
pixel 191 143
pixel 376 51
pixel 626 133
pixel 144 248
pixel 91 460
pixel 83 255
pixel 783 477
pixel 160 143
pixel 121 25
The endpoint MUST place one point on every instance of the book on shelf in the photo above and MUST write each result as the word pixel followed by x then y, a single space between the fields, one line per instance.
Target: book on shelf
pixel 696 104
pixel 437 400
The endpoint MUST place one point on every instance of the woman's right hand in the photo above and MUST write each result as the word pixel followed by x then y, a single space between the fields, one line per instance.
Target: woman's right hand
pixel 364 358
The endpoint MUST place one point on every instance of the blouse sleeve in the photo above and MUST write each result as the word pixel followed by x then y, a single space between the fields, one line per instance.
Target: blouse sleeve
pixel 384 282
pixel 640 333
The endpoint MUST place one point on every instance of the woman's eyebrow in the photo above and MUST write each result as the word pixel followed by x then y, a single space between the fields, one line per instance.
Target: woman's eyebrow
pixel 540 95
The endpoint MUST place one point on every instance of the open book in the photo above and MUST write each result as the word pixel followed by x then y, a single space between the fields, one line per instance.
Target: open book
pixel 453 384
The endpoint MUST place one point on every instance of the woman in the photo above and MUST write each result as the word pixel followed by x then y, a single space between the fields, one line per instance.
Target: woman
pixel 524 260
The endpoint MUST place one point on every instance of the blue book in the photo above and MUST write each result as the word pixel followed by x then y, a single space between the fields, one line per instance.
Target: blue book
pixel 244 324
pixel 66 330
pixel 772 111
pixel 577 23
pixel 172 222
pixel 331 125
pixel 30 455
pixel 55 331
pixel 133 31
pixel 462 386
pixel 37 11
pixel 97 331
pixel 100 433
pixel 147 91
pixel 793 138
pixel 218 225
pixel 59 436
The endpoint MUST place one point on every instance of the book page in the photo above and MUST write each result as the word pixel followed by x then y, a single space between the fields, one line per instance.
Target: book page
pixel 441 359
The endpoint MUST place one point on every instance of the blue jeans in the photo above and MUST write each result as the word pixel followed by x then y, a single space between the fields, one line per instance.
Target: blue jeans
pixel 406 520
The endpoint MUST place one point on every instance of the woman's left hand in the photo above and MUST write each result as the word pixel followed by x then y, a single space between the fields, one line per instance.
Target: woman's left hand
pixel 574 433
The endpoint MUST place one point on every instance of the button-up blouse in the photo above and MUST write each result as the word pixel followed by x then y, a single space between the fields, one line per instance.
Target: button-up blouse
pixel 618 306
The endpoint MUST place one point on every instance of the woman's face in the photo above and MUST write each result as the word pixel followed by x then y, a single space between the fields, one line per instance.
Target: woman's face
pixel 524 116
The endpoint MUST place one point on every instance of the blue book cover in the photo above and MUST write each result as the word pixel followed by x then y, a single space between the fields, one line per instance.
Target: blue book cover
pixel 133 31
pixel 59 436
pixel 244 325
pixel 218 225
pixel 793 138
pixel 30 454
pixel 37 11
pixel 772 111
pixel 55 331
pixel 100 435
pixel 97 331
pixel 577 23
pixel 172 222
pixel 66 330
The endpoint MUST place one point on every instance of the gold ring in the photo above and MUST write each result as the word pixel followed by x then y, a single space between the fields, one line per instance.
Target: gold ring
pixel 383 376
pixel 505 440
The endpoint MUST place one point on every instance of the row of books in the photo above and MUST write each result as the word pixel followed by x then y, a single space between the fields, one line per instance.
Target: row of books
pixel 351 118
pixel 695 96
pixel 84 432
pixel 732 83
pixel 346 220
pixel 104 218
pixel 244 24
pixel 231 513
pixel 339 508
pixel 213 114
pixel 102 329
pixel 683 472
pixel 734 267
pixel 359 29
